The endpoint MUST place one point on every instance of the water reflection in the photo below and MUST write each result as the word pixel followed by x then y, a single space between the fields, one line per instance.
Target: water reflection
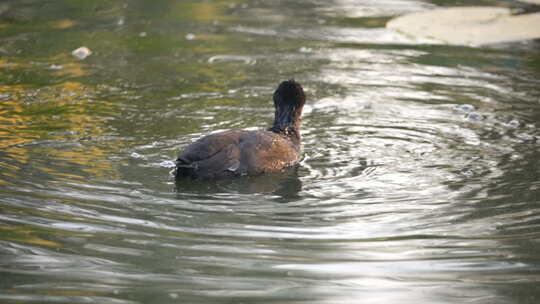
pixel 285 186
pixel 58 120
pixel 420 181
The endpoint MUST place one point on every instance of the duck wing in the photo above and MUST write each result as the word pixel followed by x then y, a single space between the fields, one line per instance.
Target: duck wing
pixel 207 146
pixel 212 156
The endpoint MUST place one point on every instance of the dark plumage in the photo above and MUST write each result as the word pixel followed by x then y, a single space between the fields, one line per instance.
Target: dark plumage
pixel 241 152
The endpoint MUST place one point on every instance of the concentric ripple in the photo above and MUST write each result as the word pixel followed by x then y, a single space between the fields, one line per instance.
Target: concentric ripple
pixel 419 182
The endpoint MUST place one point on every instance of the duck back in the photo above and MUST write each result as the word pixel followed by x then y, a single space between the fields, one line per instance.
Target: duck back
pixel 236 153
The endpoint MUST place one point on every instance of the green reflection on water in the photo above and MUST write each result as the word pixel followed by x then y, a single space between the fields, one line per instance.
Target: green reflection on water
pixel 91 134
pixel 50 96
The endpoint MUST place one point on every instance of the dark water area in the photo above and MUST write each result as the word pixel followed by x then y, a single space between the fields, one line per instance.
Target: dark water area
pixel 420 181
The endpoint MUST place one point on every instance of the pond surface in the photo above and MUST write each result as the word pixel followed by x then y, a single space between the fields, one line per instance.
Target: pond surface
pixel 420 182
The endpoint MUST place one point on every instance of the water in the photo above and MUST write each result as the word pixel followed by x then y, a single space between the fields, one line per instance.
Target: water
pixel 420 182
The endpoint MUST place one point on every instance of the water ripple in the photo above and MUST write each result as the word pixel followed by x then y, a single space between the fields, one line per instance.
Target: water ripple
pixel 419 181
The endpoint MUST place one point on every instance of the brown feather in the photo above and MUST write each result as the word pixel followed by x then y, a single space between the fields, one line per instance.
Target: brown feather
pixel 241 152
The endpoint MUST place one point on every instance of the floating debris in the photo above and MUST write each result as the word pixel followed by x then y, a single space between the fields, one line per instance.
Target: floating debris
pixel 190 36
pixel 82 52
pixel 55 67
pixel 142 34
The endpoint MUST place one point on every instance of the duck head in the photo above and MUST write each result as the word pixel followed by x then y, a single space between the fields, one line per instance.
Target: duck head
pixel 289 100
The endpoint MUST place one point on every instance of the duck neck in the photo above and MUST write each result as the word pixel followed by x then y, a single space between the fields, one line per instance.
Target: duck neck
pixel 287 122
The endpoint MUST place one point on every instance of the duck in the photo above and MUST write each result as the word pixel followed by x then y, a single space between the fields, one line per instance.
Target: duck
pixel 234 153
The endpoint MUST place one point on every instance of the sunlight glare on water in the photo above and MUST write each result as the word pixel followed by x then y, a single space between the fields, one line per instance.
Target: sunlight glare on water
pixel 419 182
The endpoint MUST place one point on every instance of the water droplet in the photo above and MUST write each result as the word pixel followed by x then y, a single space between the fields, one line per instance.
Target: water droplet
pixel 514 123
pixel 465 108
pixel 167 164
pixel 136 155
pixel 475 117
